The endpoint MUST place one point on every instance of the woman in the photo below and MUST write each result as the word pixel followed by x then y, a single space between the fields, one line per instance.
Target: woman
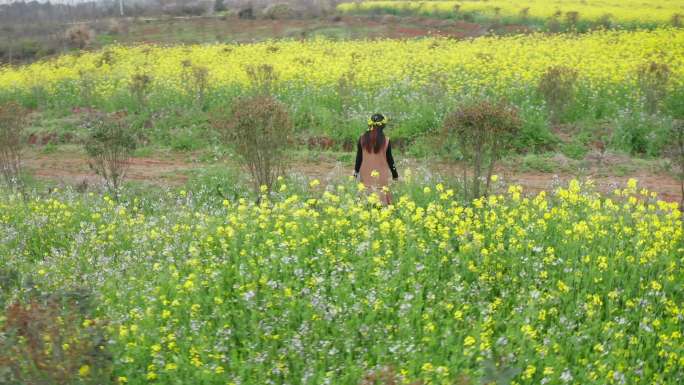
pixel 374 160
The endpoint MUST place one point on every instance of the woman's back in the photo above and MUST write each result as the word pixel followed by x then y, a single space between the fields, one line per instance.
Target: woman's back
pixel 375 170
pixel 374 161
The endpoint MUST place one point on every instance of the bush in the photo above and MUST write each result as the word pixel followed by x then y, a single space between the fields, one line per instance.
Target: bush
pixel 140 87
pixel 262 78
pixel 12 123
pixel 79 36
pixel 538 163
pixel 572 18
pixel 639 133
pixel 575 150
pixel 52 342
pixel 259 128
pixel 195 81
pixel 483 131
pixel 110 143
pixel 653 79
pixel 557 87
pixel 554 25
pixel 605 21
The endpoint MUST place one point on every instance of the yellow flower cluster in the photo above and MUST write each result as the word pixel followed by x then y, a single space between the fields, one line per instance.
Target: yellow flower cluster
pixel 607 58
pixel 638 12
pixel 576 286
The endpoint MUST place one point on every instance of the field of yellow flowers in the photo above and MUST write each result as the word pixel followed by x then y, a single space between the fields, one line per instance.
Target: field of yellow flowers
pixel 330 85
pixel 316 287
pixel 617 13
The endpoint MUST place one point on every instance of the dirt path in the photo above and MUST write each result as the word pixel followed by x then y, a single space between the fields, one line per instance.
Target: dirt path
pixel 74 169
pixel 172 170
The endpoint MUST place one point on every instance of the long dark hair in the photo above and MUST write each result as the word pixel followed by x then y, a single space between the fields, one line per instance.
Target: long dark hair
pixel 374 139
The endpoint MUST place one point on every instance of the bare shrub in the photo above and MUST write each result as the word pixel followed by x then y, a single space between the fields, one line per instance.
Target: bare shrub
pixel 524 13
pixel 557 87
pixel 259 128
pixel 110 143
pixel 347 84
pixel 262 77
pixel 107 57
pixel 345 89
pixel 196 81
pixel 13 120
pixel 572 18
pixel 79 36
pixel 86 82
pixel 117 26
pixel 653 79
pixel 554 25
pixel 605 21
pixel 52 342
pixel 483 131
pixel 140 87
pixel 436 88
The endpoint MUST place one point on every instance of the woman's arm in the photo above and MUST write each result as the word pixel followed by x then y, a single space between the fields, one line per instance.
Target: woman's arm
pixel 390 161
pixel 359 158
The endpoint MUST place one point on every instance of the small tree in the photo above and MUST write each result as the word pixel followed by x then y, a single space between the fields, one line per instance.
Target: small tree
pixel 259 128
pixel 87 83
pixel 483 130
pixel 262 77
pixel 524 14
pixel 79 36
pixel 110 143
pixel 196 81
pixel 13 119
pixel 557 87
pixel 653 79
pixel 139 87
pixel 572 18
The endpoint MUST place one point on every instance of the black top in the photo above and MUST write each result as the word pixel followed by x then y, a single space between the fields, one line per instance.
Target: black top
pixel 388 155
